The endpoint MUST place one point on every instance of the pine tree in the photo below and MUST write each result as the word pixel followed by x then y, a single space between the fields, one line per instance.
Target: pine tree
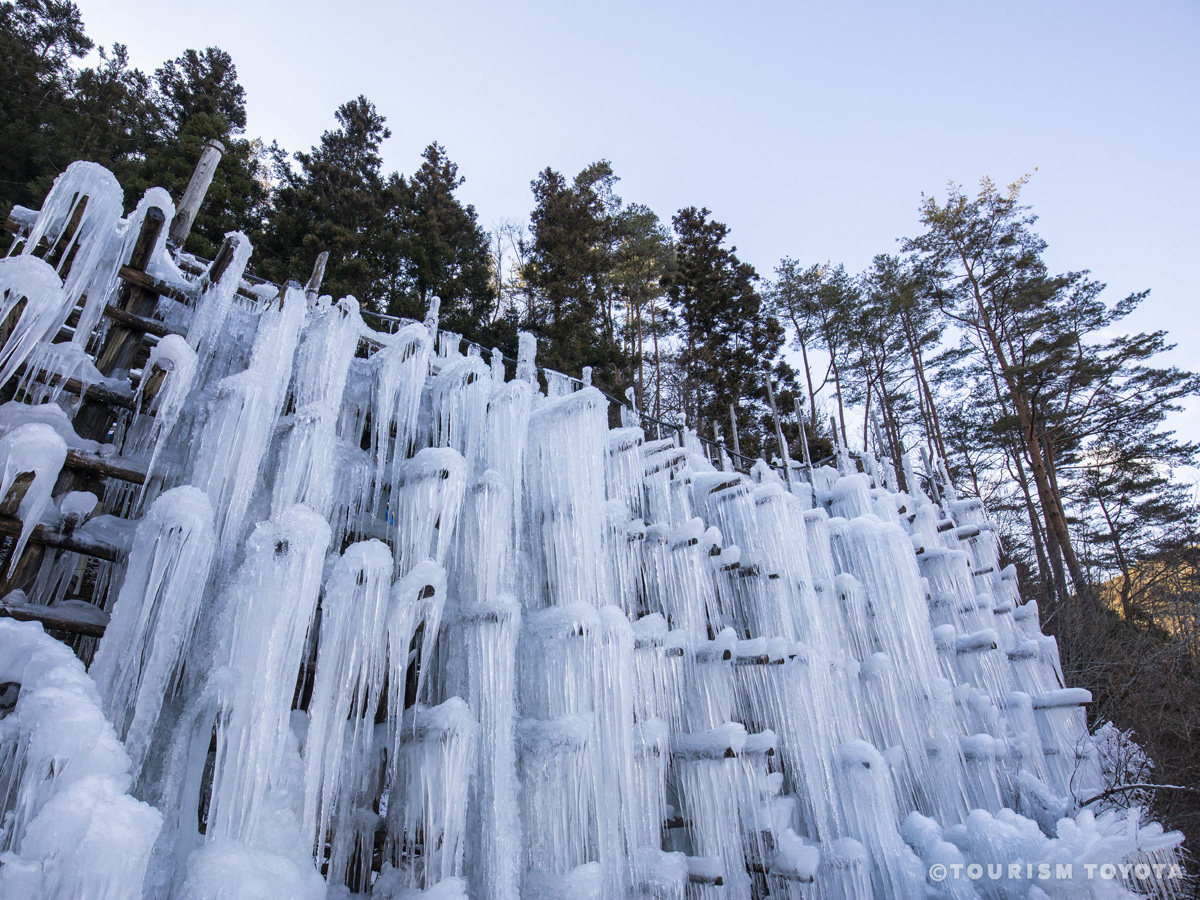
pixel 1136 511
pixel 729 341
pixel 338 199
pixel 1061 387
pixel 643 257
pixel 199 98
pixel 568 272
pixel 445 252
pixel 52 114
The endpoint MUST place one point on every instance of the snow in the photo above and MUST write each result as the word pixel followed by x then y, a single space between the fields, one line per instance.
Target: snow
pixel 70 828
pixel 95 241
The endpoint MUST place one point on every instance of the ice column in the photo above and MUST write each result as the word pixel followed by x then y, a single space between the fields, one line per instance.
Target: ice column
pixel 138 662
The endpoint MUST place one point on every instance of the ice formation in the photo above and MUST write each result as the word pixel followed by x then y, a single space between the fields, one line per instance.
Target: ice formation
pixel 377 619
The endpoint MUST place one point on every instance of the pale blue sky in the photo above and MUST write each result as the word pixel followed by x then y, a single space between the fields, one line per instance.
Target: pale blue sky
pixel 811 129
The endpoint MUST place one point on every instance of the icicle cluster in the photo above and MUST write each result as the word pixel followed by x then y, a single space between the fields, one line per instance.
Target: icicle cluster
pixel 379 619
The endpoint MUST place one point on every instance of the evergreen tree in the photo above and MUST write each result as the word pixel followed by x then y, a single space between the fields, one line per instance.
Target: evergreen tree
pixel 445 252
pixel 1061 387
pixel 643 257
pixel 52 114
pixel 729 341
pixel 338 199
pixel 202 83
pixel 819 303
pixel 38 41
pixel 890 333
pixel 1135 511
pixel 568 267
pixel 199 98
pixel 116 119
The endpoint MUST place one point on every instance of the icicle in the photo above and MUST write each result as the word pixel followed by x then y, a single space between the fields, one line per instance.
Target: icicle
pixel 139 659
pixel 269 607
pixel 325 353
pixel 92 187
pixel 35 449
pixel 207 330
pixel 526 357
pixel 425 505
pixel 105 282
pixel 460 397
pixel 177 362
pixel 428 805
pixel 341 757
pixel 242 417
pixel 412 630
pixel 486 677
pixel 306 469
pixel 33 307
pixel 565 478
pixel 400 368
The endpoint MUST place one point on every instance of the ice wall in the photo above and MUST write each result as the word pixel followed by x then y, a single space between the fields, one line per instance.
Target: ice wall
pixel 378 619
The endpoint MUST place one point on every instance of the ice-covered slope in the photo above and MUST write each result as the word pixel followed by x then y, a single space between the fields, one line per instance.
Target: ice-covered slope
pixel 388 617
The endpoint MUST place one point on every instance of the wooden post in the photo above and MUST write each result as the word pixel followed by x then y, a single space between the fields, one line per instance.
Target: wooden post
pixel 842 461
pixel 16 493
pixel 804 441
pixel 57 255
pixel 720 446
pixel 737 444
pixel 881 451
pixel 880 447
pixel 318 275
pixel 784 455
pixel 431 321
pixel 193 196
pixel 933 486
pixel 95 418
pixel 221 261
pixel 121 345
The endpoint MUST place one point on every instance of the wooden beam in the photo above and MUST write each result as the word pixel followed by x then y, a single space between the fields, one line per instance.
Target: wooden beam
pixel 138 323
pixel 96 393
pixel 110 468
pixel 148 282
pixel 59 541
pixel 245 286
pixel 56 618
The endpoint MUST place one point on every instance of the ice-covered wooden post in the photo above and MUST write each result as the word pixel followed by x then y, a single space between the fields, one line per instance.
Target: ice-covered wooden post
pixel 933 485
pixel 121 345
pixel 526 357
pixel 193 196
pixel 95 418
pixel 784 453
pixel 737 443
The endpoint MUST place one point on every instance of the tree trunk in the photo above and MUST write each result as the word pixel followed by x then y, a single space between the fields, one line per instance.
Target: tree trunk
pixel 1126 571
pixel 1056 525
